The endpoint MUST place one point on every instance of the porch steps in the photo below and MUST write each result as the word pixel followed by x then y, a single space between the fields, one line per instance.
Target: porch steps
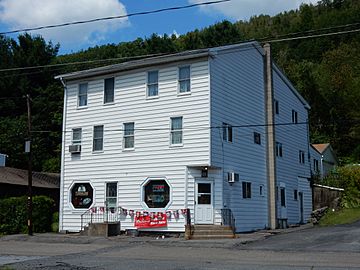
pixel 211 232
pixel 101 229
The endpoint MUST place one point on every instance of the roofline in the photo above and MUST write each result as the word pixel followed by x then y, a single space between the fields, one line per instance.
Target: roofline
pixel 290 85
pixel 157 60
pixel 328 145
pixel 311 145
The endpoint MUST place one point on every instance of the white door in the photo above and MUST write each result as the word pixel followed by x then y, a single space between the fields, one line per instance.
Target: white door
pixel 204 210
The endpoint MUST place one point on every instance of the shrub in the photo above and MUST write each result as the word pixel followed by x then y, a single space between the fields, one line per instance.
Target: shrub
pixel 13 214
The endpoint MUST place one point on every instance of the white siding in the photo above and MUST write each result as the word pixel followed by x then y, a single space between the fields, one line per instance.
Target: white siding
pixel 237 98
pixel 152 156
pixel 294 138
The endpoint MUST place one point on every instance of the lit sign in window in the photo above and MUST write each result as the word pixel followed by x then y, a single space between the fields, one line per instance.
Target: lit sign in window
pixel 156 194
pixel 82 195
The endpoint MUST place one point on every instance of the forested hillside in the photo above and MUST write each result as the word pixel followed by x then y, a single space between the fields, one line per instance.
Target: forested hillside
pixel 325 69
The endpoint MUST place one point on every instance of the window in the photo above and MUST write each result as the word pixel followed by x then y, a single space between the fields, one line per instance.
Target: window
pixel 294 116
pixel 276 106
pixel 316 165
pixel 153 84
pixel 184 79
pixel 257 138
pixel 156 194
pixel 82 95
pixel 282 197
pixel 129 137
pixel 98 138
pixel 246 190
pixel 278 149
pixel 176 130
pixel 227 132
pixel 76 136
pixel 81 195
pixel 111 195
pixel 295 194
pixel 109 85
pixel 261 190
pixel 301 157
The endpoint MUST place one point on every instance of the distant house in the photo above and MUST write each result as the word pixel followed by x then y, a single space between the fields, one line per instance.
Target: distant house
pixel 14 182
pixel 2 160
pixel 324 159
pixel 220 131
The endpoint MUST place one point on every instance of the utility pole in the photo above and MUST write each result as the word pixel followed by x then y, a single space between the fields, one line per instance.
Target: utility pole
pixel 28 150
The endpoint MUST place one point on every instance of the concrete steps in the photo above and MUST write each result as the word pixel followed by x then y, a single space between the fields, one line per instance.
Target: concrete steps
pixel 211 232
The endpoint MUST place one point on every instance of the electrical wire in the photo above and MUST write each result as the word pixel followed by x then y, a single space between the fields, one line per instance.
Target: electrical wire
pixel 113 17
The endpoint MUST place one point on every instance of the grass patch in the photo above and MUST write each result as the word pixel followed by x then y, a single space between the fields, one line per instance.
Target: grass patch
pixel 342 216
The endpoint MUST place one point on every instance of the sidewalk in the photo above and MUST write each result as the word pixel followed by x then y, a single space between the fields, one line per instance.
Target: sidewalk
pixel 241 239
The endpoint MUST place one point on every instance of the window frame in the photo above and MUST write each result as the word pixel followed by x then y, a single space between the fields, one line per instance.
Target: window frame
pixel 316 165
pixel 142 194
pixel 278 149
pixel 107 195
pixel 295 194
pixel 180 80
pixel 80 95
pixel 128 136
pixel 246 190
pixel 78 141
pixel 227 131
pixel 176 131
pixel 98 138
pixel 257 138
pixel 294 116
pixel 282 197
pixel 112 90
pixel 276 107
pixel 301 157
pixel 149 84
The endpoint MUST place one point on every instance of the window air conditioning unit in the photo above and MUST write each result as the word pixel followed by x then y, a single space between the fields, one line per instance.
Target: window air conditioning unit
pixel 233 177
pixel 75 148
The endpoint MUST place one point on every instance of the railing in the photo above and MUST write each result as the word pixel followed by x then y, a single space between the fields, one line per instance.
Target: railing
pixel 227 218
pixel 100 214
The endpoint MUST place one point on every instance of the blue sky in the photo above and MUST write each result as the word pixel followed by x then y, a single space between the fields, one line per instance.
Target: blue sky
pixel 13 15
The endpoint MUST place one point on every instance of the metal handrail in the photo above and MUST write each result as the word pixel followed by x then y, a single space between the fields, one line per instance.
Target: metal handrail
pixel 228 219
pixel 100 214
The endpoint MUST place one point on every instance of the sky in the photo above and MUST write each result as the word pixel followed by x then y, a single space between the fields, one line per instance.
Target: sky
pixel 19 14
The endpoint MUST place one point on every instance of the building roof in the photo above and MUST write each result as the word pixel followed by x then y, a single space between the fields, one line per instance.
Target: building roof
pixel 15 176
pixel 321 147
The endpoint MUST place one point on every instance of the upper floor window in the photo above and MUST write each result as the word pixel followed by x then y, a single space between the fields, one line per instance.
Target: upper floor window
pixel 301 157
pixel 98 138
pixel 82 94
pixel 176 130
pixel 109 85
pixel 276 106
pixel 278 149
pixel 227 132
pixel 76 136
pixel 246 190
pixel 129 137
pixel 294 116
pixel 257 138
pixel 295 194
pixel 184 79
pixel 153 83
pixel 316 165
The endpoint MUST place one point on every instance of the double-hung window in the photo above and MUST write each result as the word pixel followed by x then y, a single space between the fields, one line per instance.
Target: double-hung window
pixel 227 132
pixel 301 157
pixel 129 136
pixel 153 83
pixel 98 138
pixel 278 149
pixel 76 136
pixel 294 116
pixel 176 133
pixel 184 79
pixel 109 86
pixel 82 94
pixel 246 190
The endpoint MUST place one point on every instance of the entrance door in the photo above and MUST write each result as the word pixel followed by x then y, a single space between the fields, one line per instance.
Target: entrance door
pixel 301 201
pixel 204 210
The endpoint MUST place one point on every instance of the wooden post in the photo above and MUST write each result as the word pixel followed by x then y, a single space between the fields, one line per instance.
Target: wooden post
pixel 28 149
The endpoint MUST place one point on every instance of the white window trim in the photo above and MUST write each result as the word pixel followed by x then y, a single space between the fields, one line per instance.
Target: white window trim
pixel 182 132
pixel 112 102
pixel 117 191
pixel 93 140
pixel 147 85
pixel 123 140
pixel 78 96
pixel 178 82
pixel 80 210
pixel 142 191
pixel 227 127
pixel 72 136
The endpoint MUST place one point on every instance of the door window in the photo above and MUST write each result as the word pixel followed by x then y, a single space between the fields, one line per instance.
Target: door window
pixel 111 194
pixel 204 193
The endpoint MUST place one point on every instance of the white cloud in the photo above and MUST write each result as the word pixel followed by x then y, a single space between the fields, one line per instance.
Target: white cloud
pixel 244 9
pixel 19 14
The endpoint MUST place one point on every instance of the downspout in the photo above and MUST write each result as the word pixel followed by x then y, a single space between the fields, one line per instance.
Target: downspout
pixel 270 131
pixel 186 187
pixel 61 204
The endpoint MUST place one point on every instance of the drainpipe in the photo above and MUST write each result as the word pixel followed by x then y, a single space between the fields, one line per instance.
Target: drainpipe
pixel 61 204
pixel 270 135
pixel 186 187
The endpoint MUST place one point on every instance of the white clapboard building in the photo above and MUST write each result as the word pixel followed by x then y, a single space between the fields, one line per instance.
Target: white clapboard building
pixel 218 131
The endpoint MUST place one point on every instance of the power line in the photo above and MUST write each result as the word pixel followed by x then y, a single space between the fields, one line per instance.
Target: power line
pixel 113 17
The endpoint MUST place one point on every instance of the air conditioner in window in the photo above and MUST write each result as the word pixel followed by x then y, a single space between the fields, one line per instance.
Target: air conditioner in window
pixel 75 148
pixel 233 177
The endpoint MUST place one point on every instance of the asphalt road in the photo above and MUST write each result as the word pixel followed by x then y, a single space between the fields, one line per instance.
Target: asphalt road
pixel 314 248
